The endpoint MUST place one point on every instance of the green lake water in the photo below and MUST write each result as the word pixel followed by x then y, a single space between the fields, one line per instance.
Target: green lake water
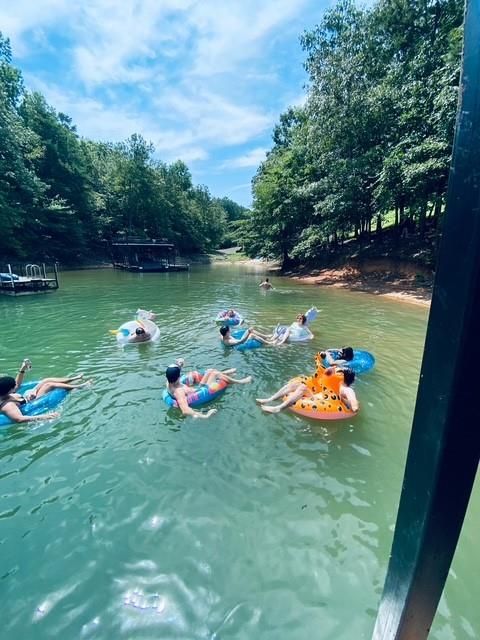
pixel 122 519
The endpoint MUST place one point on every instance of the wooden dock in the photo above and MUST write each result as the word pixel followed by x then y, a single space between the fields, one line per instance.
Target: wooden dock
pixel 29 279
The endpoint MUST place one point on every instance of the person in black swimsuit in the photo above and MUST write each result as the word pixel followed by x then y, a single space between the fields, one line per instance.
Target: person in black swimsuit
pixel 10 401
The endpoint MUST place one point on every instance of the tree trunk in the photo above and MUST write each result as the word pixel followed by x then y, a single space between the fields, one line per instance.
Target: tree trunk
pixel 422 220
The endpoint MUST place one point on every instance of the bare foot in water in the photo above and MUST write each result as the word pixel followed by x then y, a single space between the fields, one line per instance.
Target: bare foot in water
pixel 271 409
pixel 87 383
pixel 245 380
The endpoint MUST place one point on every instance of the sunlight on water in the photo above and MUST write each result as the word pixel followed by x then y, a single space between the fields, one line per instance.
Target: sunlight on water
pixel 124 520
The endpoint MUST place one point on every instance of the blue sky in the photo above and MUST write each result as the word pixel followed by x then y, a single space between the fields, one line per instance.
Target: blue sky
pixel 205 81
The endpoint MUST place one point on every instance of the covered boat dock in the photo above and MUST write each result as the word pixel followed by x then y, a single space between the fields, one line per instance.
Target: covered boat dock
pixel 146 256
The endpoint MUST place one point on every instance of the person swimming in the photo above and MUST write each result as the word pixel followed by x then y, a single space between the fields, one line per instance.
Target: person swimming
pixel 265 285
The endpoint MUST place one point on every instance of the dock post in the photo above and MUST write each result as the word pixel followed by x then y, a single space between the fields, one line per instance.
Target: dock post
pixel 55 269
pixel 11 276
pixel 444 450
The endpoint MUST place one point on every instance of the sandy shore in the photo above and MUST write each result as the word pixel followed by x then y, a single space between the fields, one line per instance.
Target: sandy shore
pixel 380 278
pixel 401 287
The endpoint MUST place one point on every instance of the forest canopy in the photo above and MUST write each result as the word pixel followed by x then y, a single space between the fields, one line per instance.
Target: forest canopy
pixel 63 197
pixel 373 141
pixel 370 146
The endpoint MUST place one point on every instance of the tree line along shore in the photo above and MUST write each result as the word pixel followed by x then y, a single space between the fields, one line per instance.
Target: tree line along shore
pixel 359 171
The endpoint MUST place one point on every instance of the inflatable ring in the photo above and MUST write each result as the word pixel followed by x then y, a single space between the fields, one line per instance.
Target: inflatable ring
pixel 127 330
pixel 325 404
pixel 228 321
pixel 199 394
pixel 297 334
pixel 251 343
pixel 44 404
pixel 362 361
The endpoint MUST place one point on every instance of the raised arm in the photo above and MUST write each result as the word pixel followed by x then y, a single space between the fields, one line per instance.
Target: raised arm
pixel 331 357
pixel 21 374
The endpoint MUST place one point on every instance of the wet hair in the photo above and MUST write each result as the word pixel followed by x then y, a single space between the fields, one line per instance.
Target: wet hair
pixel 139 331
pixel 348 375
pixel 231 313
pixel 7 384
pixel 172 373
pixel 267 280
pixel 303 317
pixel 347 353
pixel 224 330
pixel 323 355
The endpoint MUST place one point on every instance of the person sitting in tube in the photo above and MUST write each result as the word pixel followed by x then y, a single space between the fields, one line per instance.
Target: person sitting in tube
pixel 300 323
pixel 337 356
pixel 229 341
pixel 140 335
pixel 180 392
pixel 229 314
pixel 10 401
pixel 296 389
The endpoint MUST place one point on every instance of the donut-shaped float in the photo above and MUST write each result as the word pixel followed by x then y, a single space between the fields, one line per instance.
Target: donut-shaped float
pixel 199 394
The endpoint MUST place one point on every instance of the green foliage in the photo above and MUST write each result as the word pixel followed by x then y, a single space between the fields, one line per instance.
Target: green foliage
pixel 375 134
pixel 62 197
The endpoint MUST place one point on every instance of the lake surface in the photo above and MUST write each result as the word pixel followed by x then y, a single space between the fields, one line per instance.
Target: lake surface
pixel 122 519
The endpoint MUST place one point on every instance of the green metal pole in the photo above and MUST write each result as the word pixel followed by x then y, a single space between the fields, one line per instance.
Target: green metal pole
pixel 444 446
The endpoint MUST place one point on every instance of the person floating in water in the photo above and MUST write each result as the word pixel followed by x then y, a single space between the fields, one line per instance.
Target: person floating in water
pixel 300 324
pixel 265 285
pixel 337 356
pixel 229 314
pixel 296 389
pixel 180 392
pixel 140 335
pixel 229 341
pixel 10 401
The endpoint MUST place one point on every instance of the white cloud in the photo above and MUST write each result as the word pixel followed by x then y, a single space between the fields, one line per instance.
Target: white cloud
pixel 117 41
pixel 186 74
pixel 98 121
pixel 213 118
pixel 250 159
pixel 229 33
pixel 19 18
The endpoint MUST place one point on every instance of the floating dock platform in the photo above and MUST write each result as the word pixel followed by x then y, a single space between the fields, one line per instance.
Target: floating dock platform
pixel 29 279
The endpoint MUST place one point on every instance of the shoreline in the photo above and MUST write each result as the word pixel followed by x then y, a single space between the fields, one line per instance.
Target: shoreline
pixel 399 287
pixel 408 287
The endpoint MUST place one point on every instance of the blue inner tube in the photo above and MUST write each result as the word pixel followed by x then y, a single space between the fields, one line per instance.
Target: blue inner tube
pixel 362 361
pixel 227 321
pixel 200 394
pixel 251 343
pixel 44 404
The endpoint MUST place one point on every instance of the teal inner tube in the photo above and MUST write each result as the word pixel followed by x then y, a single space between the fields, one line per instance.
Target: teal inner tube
pixel 362 361
pixel 44 404
pixel 251 343
pixel 199 394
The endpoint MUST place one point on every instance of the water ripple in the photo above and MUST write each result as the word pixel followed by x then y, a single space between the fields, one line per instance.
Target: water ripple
pixel 122 519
